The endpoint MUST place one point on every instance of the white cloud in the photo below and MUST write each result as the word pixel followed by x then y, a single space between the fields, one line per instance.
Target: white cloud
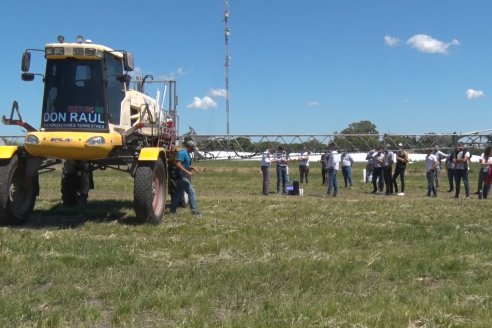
pixel 426 43
pixel 391 41
pixel 217 93
pixel 473 94
pixel 203 103
pixel 313 103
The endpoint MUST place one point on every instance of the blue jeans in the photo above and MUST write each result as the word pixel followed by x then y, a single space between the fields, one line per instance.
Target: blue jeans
pixel 431 188
pixel 282 178
pixel 451 179
pixel 347 175
pixel 332 181
pixel 183 185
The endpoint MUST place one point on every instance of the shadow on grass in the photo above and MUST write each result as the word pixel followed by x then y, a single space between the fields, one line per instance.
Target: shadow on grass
pixel 67 217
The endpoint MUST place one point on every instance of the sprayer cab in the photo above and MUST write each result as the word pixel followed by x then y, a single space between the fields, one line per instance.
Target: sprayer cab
pixel 85 85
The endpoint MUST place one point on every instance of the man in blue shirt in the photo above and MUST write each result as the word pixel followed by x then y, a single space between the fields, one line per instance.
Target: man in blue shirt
pixel 184 171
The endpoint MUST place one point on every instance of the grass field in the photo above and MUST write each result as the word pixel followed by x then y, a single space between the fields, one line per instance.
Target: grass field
pixel 358 260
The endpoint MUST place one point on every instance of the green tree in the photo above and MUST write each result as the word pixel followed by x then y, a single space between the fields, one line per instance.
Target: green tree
pixel 365 137
pixel 361 127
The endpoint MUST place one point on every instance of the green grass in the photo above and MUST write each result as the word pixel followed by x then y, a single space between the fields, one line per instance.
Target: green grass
pixel 358 260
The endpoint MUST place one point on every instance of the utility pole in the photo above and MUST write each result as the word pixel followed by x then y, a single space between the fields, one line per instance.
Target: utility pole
pixel 227 59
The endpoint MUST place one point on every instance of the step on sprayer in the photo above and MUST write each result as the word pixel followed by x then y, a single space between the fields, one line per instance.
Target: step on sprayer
pixel 91 120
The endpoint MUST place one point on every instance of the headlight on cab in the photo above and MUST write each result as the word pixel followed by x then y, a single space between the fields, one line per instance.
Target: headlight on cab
pixel 96 141
pixel 31 139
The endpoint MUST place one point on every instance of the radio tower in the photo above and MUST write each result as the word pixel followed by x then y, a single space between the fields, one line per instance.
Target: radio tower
pixel 227 58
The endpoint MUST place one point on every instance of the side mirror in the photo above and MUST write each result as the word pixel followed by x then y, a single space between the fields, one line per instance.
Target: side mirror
pixel 27 77
pixel 26 61
pixel 128 61
pixel 124 78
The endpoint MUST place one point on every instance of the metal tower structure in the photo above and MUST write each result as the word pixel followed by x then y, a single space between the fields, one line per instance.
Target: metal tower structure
pixel 227 32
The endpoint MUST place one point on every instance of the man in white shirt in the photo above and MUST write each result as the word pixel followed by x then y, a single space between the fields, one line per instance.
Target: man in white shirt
pixel 304 165
pixel 332 167
pixel 431 164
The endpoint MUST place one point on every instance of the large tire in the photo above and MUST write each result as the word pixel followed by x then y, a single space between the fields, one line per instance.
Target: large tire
pixel 17 192
pixel 150 191
pixel 75 184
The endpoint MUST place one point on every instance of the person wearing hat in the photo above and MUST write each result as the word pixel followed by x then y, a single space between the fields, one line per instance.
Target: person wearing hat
pixel 461 170
pixel 401 165
pixel 184 171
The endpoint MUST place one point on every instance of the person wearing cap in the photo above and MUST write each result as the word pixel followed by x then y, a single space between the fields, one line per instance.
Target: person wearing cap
pixel 400 167
pixel 184 171
pixel 431 164
pixel 461 170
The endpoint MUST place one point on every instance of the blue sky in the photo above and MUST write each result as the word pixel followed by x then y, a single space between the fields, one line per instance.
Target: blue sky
pixel 297 67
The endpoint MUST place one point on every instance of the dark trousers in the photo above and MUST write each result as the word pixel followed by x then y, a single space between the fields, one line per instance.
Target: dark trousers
pixel 265 170
pixel 451 179
pixel 377 179
pixel 399 171
pixel 388 182
pixel 481 178
pixel 323 176
pixel 303 173
pixel 485 191
pixel 461 174
pixel 282 178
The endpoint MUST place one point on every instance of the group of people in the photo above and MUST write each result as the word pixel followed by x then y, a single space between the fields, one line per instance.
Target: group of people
pixel 380 167
pixel 456 165
pixel 380 170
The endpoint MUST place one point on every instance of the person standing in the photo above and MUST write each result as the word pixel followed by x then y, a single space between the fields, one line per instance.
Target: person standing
pixel 485 162
pixel 461 170
pixel 347 161
pixel 377 171
pixel 431 164
pixel 370 165
pixel 184 171
pixel 323 169
pixel 450 166
pixel 282 160
pixel 266 160
pixel 332 167
pixel 304 165
pixel 440 156
pixel 388 171
pixel 400 167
